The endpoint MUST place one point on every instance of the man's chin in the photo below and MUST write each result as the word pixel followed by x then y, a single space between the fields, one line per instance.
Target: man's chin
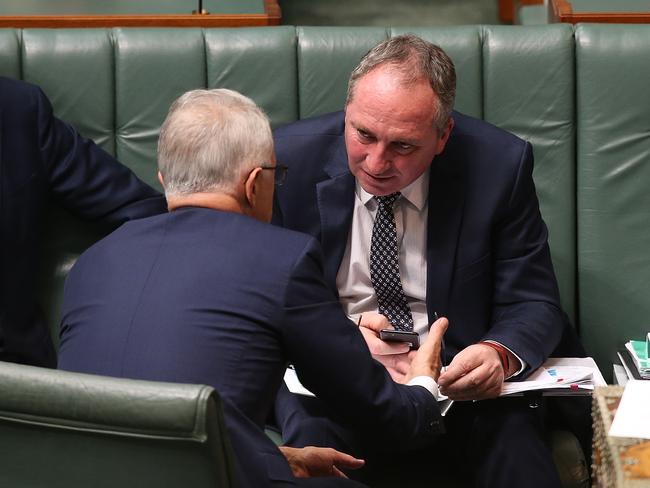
pixel 379 187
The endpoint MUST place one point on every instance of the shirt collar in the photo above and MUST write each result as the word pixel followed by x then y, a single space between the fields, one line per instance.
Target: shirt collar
pixel 416 193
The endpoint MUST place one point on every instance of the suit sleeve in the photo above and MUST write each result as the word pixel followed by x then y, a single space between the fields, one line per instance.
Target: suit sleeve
pixel 333 361
pixel 85 179
pixel 527 316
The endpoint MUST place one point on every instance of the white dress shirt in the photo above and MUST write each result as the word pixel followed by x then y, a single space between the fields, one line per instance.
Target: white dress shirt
pixel 356 292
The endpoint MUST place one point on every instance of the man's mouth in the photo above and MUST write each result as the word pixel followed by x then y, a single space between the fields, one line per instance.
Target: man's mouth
pixel 378 177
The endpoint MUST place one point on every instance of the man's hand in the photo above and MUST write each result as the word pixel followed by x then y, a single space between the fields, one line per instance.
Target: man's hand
pixel 426 360
pixel 311 461
pixel 395 356
pixel 474 374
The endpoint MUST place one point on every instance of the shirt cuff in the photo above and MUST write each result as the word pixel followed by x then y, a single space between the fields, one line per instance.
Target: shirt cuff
pixel 426 382
pixel 521 361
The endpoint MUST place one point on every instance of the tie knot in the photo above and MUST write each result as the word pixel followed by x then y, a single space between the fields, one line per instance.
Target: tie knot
pixel 387 201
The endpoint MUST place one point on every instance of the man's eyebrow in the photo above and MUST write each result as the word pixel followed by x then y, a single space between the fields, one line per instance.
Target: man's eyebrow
pixel 410 142
pixel 360 127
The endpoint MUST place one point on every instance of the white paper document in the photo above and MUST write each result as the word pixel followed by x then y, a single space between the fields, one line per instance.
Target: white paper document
pixel 632 419
pixel 559 376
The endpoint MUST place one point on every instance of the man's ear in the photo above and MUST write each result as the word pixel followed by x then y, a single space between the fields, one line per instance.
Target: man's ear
pixel 250 186
pixel 160 178
pixel 444 136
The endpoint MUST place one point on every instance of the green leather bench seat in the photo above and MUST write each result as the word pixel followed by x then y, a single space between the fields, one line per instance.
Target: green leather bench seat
pixel 613 185
pixel 60 429
pixel 579 94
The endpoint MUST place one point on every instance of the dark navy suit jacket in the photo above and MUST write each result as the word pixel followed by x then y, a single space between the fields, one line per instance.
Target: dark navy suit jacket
pixel 488 262
pixel 204 296
pixel 44 159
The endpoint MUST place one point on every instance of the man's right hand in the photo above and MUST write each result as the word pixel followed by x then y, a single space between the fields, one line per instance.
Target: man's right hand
pixel 426 361
pixel 395 356
pixel 310 461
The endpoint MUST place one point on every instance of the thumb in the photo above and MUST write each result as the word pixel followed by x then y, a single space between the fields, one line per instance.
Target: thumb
pixel 427 358
pixel 436 333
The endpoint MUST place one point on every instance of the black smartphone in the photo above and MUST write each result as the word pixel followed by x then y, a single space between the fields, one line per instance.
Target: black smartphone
pixel 391 335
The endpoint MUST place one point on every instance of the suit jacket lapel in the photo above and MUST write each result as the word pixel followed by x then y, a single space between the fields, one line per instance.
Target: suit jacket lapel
pixel 335 204
pixel 446 200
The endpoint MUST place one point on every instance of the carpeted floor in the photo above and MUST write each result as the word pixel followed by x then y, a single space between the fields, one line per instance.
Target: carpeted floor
pixel 389 12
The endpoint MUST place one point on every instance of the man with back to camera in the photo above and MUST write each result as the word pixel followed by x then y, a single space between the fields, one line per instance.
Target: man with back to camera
pixel 458 199
pixel 43 160
pixel 211 293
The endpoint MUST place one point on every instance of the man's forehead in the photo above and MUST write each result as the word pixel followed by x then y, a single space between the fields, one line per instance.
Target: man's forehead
pixel 396 122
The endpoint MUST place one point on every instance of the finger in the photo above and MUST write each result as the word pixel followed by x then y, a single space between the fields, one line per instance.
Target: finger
pixel 345 461
pixel 375 322
pixel 337 473
pixel 479 384
pixel 461 365
pixel 392 348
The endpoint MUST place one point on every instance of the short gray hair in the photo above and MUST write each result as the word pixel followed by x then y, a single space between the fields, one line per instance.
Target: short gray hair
pixel 210 139
pixel 414 59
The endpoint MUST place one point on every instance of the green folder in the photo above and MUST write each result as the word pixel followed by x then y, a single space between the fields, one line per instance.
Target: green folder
pixel 640 351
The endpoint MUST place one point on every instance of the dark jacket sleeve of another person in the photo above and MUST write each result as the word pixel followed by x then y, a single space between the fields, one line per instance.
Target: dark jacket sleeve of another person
pixel 44 161
pixel 85 179
pixel 332 360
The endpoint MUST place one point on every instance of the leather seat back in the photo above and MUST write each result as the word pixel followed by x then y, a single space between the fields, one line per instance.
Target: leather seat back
pixel 60 429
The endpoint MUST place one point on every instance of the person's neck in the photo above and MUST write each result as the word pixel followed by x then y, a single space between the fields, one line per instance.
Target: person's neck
pixel 214 201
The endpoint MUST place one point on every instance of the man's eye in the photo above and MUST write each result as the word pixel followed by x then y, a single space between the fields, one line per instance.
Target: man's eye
pixel 403 146
pixel 363 134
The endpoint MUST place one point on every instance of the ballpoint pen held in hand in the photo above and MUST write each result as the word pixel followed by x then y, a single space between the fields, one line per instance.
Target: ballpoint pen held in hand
pixel 442 347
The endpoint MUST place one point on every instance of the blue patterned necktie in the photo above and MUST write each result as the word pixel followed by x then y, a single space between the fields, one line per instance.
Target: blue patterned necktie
pixel 384 266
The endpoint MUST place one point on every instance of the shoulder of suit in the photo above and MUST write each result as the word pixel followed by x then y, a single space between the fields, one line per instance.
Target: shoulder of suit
pixel 466 126
pixel 331 124
pixel 11 88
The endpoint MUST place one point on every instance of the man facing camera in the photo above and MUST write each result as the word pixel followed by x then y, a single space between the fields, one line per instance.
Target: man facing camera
pixel 451 200
pixel 211 293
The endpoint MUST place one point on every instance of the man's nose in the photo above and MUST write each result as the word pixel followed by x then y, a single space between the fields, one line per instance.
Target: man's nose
pixel 377 160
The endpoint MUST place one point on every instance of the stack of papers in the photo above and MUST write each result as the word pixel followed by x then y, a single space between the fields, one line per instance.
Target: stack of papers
pixel 559 376
pixel 638 351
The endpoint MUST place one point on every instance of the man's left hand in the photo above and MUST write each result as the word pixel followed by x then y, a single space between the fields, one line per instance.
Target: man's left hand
pixel 312 461
pixel 474 374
